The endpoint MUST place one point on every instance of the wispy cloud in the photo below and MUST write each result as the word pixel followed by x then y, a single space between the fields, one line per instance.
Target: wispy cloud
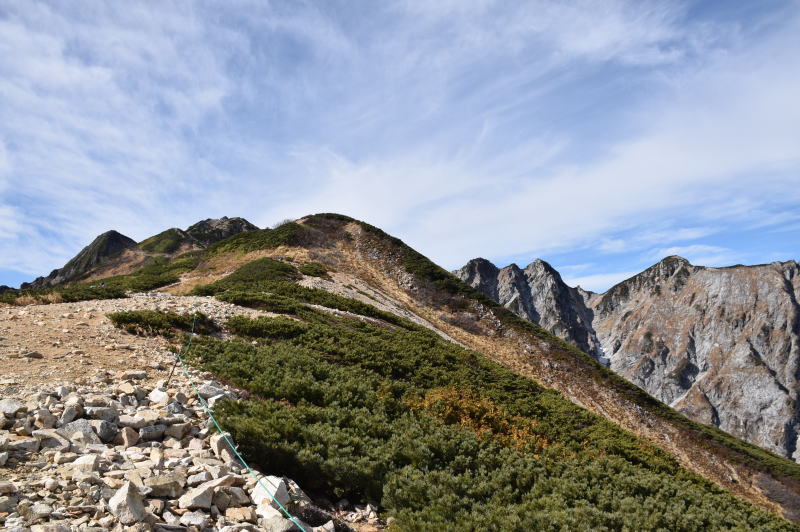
pixel 467 128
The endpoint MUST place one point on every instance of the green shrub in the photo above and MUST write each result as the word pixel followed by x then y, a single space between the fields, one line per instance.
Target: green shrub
pixel 251 276
pixel 268 302
pixel 168 241
pixel 263 327
pixel 300 294
pixel 86 291
pixel 153 322
pixel 288 234
pixel 314 269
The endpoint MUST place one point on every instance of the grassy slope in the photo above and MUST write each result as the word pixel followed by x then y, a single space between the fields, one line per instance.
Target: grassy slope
pixel 159 271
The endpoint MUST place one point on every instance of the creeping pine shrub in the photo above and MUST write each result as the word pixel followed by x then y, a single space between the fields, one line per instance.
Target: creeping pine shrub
pixel 314 269
pixel 287 234
pixel 252 276
pixel 276 328
pixel 268 302
pixel 154 322
pixel 266 284
pixel 165 242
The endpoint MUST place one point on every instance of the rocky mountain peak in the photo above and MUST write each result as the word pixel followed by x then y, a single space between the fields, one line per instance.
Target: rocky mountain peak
pixel 541 266
pixel 669 274
pixel 105 245
pixel 537 293
pixel 211 230
pixel 481 274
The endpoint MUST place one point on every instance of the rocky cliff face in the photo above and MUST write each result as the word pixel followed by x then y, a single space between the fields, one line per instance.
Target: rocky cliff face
pixel 106 245
pixel 539 294
pixel 720 345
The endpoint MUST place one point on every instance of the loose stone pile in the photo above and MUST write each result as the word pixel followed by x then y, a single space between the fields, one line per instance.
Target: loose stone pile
pixel 119 454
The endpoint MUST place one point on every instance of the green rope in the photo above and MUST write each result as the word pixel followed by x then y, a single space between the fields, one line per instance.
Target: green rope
pixel 224 434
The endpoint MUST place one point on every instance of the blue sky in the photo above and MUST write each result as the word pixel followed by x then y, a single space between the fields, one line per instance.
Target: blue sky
pixel 598 135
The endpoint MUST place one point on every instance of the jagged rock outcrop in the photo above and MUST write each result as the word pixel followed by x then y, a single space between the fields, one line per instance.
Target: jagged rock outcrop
pixel 210 230
pixel 539 294
pixel 721 345
pixel 104 246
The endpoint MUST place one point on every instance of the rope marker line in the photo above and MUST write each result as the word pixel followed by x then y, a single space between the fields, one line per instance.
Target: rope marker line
pixel 205 406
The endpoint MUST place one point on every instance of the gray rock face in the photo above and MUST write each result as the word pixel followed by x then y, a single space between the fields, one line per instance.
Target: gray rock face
pixel 721 345
pixel 539 294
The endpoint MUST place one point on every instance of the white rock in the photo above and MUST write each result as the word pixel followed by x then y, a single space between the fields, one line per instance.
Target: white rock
pixel 208 390
pixel 7 487
pixel 199 478
pixel 127 505
pixel 88 462
pixel 51 439
pixel 271 489
pixel 158 396
pixel 199 497
pixel 280 524
pixel 327 527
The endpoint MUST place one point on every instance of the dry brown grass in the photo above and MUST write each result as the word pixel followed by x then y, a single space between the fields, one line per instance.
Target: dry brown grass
pixel 27 300
pixel 185 286
pixel 54 297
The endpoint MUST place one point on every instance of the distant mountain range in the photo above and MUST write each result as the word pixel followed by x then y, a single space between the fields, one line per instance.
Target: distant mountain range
pixel 721 345
pixel 111 244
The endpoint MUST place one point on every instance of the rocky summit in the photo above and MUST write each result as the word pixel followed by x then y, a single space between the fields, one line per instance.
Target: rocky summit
pixel 210 230
pixel 720 345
